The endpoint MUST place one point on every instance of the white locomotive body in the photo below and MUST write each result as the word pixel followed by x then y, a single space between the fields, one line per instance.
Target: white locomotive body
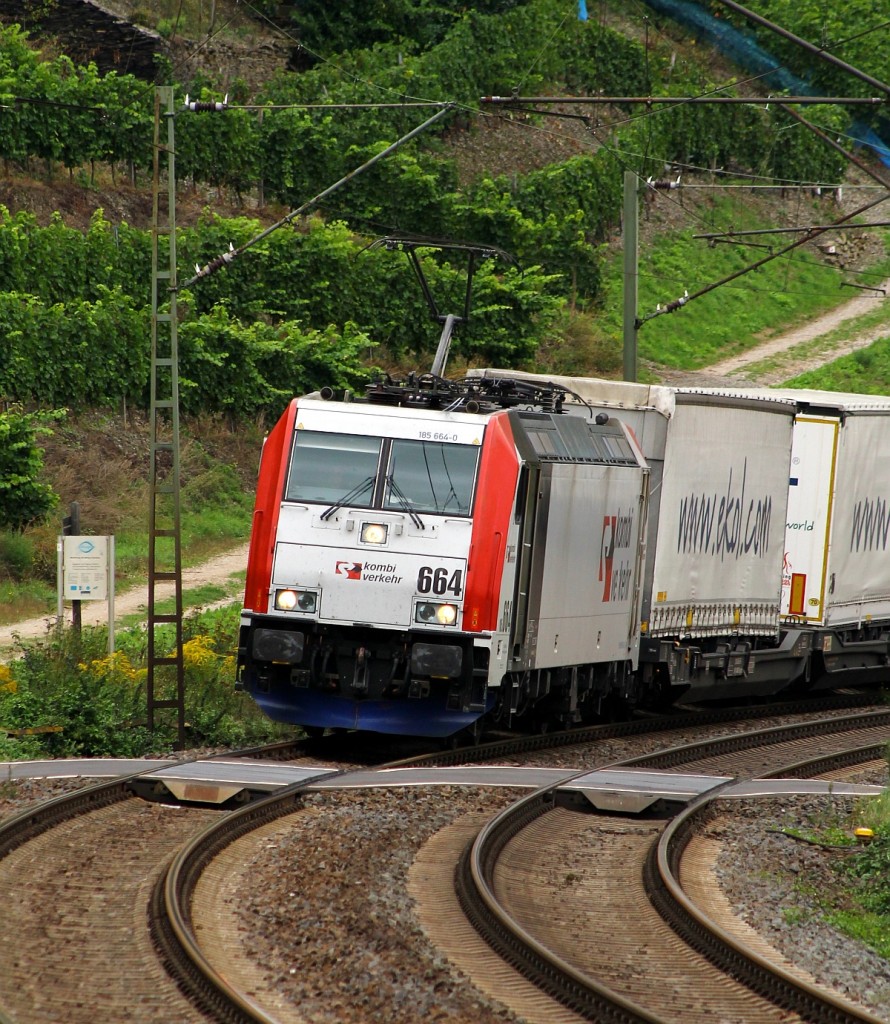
pixel 535 551
pixel 413 568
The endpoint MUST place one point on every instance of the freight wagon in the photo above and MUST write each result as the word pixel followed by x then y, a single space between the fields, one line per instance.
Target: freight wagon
pixel 712 588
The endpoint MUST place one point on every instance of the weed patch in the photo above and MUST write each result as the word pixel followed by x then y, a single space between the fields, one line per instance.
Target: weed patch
pixel 97 701
pixel 858 904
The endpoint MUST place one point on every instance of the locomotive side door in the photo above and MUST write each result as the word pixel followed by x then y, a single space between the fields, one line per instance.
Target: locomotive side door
pixel 523 639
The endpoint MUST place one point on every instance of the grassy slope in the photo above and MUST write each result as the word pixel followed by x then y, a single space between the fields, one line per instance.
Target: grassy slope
pixel 736 316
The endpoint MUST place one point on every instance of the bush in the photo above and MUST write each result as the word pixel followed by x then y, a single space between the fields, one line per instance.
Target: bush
pixel 24 500
pixel 16 555
pixel 97 701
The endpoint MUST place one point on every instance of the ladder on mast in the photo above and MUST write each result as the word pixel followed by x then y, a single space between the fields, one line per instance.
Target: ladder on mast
pixel 165 687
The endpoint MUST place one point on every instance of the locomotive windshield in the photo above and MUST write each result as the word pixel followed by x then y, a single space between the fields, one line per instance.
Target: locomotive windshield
pixel 431 477
pixel 332 467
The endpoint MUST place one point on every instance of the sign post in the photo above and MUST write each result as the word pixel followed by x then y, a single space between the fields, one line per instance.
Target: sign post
pixel 86 573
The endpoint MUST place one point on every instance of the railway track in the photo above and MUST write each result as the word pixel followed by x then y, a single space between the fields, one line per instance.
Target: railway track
pixel 187 841
pixel 628 871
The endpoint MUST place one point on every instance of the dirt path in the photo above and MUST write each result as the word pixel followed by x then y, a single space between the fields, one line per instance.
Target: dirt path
pixel 743 370
pixel 810 332
pixel 218 571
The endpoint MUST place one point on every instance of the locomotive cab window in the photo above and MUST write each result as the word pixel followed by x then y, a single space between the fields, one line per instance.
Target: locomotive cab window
pixel 428 476
pixel 333 468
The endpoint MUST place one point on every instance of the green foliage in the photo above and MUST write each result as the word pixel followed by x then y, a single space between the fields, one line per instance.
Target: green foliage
pixel 218 150
pixel 227 367
pixel 871 929
pixel 16 555
pixel 864 372
pixel 66 682
pixel 304 308
pixel 76 353
pixel 326 28
pixel 23 498
pixel 851 31
pixel 96 701
pixel 860 903
pixel 576 346
pixel 16 748
pixel 510 313
pixel 871 867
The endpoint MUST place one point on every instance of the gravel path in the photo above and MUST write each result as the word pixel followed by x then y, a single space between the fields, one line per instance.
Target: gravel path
pixel 742 370
pixel 810 331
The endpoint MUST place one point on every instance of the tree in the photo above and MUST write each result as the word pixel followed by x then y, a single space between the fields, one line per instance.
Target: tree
pixel 23 498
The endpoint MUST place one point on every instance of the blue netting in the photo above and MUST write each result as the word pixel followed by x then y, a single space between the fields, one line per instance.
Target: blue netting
pixel 750 55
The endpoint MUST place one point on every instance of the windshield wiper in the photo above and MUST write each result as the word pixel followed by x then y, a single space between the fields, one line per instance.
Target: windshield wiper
pixel 404 503
pixel 349 496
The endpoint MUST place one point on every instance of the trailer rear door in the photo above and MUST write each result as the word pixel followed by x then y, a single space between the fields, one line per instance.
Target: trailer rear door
pixel 810 497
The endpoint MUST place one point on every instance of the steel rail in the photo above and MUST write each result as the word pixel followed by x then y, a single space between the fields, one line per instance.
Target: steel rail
pixel 170 905
pixel 33 822
pixel 171 926
pixel 498 928
pixel 635 727
pixel 818 1005
pixel 27 825
pixel 170 919
pixel 831 762
pixel 674 756
pixel 559 979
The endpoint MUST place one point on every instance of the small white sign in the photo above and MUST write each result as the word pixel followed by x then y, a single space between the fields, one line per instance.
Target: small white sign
pixel 85 568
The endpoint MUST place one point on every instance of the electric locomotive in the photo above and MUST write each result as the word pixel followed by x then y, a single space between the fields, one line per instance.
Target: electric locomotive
pixel 439 551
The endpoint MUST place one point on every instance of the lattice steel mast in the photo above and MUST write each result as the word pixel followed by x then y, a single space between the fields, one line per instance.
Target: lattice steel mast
pixel 165 687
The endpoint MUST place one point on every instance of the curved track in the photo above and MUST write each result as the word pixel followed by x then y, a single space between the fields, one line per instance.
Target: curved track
pixel 206 994
pixel 603 953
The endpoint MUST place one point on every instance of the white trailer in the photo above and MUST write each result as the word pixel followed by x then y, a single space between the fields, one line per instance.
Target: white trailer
pixel 836 579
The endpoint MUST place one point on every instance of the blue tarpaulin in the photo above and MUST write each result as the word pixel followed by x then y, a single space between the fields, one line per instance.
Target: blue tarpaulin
pixel 745 51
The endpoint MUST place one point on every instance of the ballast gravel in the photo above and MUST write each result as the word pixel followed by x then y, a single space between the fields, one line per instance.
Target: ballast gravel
pixel 328 914
pixel 326 906
pixel 781 885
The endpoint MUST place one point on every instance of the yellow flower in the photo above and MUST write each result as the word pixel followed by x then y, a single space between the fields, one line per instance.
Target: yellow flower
pixel 112 666
pixel 199 653
pixel 7 683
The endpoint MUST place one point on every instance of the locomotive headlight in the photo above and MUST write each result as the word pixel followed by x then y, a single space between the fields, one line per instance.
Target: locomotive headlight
pixel 436 614
pixel 302 600
pixel 374 533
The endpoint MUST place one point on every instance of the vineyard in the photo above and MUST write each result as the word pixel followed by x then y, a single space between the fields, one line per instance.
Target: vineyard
pixel 312 306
